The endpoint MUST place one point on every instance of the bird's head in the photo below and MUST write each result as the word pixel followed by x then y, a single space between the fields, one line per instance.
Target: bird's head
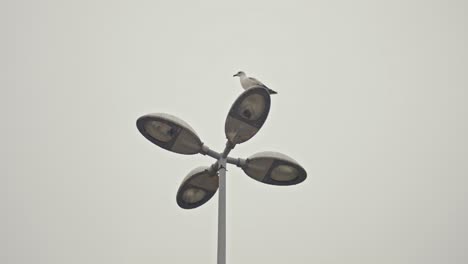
pixel 239 73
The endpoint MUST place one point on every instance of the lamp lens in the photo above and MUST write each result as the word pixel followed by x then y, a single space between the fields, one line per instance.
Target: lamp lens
pixel 252 107
pixel 284 173
pixel 160 131
pixel 193 195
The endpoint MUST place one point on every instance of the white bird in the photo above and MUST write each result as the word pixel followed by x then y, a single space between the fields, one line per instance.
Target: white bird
pixel 249 82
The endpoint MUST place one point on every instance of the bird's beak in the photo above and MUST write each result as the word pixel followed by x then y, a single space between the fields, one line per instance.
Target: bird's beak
pixel 235 75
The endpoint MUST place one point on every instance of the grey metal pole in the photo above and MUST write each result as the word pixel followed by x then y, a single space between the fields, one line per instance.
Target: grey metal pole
pixel 222 211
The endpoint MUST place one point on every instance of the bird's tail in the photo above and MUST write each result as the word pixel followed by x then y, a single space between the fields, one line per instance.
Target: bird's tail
pixel 271 91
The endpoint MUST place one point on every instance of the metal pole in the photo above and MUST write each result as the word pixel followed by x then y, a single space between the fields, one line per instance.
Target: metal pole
pixel 222 211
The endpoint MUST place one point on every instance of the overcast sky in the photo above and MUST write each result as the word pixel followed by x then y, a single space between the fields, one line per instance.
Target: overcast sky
pixel 372 102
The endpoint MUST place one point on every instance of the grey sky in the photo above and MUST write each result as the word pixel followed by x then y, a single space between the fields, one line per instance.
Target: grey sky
pixel 372 102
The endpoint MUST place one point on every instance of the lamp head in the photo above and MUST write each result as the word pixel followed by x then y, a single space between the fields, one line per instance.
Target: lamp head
pixel 247 115
pixel 169 132
pixel 197 187
pixel 274 168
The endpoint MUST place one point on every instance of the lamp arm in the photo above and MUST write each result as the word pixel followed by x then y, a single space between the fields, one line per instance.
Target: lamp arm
pixel 239 162
pixel 205 150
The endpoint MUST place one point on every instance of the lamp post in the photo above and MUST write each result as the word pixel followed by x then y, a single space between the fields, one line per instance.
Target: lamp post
pixel 245 118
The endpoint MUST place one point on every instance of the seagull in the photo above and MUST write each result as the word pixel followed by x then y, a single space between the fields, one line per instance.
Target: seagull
pixel 249 82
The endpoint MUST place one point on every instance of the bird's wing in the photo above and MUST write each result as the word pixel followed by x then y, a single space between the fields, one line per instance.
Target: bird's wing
pixel 257 82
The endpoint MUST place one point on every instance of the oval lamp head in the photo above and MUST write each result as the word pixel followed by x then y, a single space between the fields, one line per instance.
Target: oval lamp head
pixel 274 168
pixel 197 188
pixel 169 132
pixel 247 115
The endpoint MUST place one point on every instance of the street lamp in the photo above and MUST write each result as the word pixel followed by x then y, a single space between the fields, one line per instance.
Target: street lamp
pixel 245 118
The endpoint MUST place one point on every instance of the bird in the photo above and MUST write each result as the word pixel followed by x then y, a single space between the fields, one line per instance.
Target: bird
pixel 249 82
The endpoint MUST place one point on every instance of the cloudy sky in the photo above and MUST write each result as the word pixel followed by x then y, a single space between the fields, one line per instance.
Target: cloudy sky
pixel 372 102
